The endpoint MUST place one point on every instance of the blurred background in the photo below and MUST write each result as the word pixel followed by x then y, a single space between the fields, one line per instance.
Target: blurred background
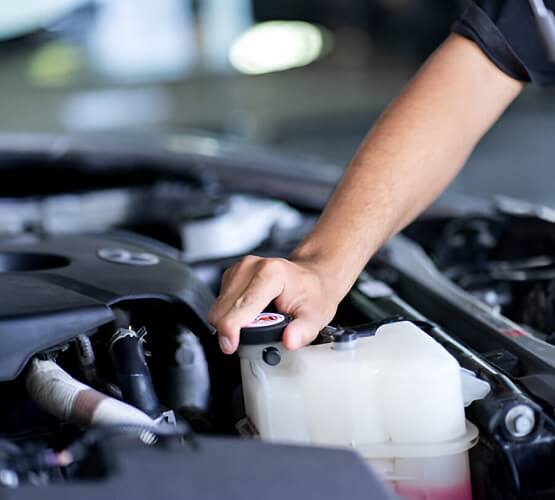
pixel 307 78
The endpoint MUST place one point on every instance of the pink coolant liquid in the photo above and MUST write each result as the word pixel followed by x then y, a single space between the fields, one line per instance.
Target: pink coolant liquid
pixel 462 491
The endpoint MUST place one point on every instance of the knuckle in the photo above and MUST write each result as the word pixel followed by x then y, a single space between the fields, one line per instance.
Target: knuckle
pixel 247 299
pixel 282 265
pixel 248 260
pixel 241 301
pixel 225 325
pixel 269 267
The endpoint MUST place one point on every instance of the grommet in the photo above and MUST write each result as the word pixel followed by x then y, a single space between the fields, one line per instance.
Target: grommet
pixel 271 356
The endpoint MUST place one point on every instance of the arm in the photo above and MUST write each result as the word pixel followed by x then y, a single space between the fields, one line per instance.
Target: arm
pixel 411 154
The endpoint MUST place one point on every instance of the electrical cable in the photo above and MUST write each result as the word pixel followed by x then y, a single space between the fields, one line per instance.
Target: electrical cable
pixel 24 462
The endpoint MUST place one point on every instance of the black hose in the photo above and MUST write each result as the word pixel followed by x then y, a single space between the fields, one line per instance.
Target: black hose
pixel 133 374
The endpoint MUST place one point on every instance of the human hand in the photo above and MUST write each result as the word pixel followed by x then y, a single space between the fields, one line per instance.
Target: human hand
pixel 297 288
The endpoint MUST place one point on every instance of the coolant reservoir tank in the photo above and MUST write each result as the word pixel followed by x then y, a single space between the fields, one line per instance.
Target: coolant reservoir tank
pixel 393 394
pixel 397 386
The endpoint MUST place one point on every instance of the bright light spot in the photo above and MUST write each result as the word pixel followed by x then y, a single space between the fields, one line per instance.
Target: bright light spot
pixel 276 46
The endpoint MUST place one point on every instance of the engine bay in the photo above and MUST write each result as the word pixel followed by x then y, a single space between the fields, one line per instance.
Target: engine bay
pixel 108 270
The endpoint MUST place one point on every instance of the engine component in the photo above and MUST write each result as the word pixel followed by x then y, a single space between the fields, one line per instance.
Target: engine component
pixel 54 290
pixel 401 356
pixel 520 421
pixel 538 309
pixel 133 374
pixel 473 321
pixel 396 391
pixel 246 224
pixel 61 395
pixel 87 363
pixel 426 291
pixel 187 384
pixel 85 354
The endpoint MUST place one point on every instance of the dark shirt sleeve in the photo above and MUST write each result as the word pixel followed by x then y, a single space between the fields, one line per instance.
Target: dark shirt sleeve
pixel 506 31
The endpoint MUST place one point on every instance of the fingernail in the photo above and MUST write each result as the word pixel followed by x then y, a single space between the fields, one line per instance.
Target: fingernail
pixel 225 345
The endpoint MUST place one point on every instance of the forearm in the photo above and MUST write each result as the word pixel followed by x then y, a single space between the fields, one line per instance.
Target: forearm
pixel 408 158
pixel 412 153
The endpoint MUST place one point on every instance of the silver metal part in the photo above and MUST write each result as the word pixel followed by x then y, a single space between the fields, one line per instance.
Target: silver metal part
pixel 520 421
pixel 148 438
pixel 128 257
pixel 122 333
pixel 167 417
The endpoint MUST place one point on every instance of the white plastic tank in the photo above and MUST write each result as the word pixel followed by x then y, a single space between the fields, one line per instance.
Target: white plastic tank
pixel 396 397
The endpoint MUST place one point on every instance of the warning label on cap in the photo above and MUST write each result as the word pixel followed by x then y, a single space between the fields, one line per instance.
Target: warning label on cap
pixel 266 319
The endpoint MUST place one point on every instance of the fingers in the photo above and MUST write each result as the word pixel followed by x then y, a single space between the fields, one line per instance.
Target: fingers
pixel 237 277
pixel 253 283
pixel 236 308
pixel 234 281
pixel 300 332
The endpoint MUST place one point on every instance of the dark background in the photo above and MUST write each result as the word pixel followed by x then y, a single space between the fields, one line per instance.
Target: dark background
pixel 54 78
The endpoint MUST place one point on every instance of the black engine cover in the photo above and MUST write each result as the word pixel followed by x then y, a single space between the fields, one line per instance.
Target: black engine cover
pixel 57 288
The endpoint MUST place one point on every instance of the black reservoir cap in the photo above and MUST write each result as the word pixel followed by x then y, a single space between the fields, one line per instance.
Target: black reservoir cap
pixel 266 328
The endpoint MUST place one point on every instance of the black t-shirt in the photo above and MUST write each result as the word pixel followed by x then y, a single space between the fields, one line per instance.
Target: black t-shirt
pixel 506 31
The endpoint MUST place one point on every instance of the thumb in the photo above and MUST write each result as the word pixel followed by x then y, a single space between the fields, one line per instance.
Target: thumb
pixel 300 332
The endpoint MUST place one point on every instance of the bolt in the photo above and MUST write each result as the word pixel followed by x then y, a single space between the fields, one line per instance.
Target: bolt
pixel 8 478
pixel 520 421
